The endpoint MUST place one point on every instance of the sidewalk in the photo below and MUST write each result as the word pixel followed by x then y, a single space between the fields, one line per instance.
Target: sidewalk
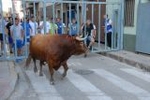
pixel 138 60
pixel 8 79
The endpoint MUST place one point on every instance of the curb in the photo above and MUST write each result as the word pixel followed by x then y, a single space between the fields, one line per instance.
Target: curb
pixel 12 82
pixel 128 61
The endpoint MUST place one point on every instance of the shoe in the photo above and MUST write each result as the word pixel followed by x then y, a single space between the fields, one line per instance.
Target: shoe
pixel 85 55
pixel 11 52
pixel 18 60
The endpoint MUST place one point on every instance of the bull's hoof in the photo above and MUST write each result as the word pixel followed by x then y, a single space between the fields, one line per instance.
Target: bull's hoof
pixel 85 55
pixel 64 75
pixel 52 83
pixel 35 70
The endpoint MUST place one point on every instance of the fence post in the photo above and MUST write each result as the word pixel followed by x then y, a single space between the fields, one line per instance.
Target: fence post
pixel 122 24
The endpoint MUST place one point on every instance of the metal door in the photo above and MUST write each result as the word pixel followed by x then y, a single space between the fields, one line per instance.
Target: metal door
pixel 143 26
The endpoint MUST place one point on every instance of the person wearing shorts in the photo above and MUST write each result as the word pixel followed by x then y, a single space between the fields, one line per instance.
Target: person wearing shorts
pixel 27 30
pixel 18 36
pixel 90 31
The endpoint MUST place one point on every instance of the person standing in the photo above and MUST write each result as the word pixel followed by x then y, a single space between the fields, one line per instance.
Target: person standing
pixel 73 28
pixel 108 29
pixel 41 26
pixel 34 26
pixel 18 35
pixel 53 27
pixel 61 26
pixel 27 29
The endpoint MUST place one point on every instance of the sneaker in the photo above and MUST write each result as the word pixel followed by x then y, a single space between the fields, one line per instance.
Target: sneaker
pixel 11 52
pixel 85 55
pixel 18 60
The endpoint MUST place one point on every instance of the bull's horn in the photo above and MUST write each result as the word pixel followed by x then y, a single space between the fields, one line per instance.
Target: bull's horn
pixel 81 39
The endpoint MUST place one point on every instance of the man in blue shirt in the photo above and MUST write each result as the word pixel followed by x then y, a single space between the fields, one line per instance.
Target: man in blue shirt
pixel 27 28
pixel 60 25
pixel 73 28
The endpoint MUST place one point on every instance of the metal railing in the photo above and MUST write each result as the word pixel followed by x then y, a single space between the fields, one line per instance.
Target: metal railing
pixel 82 11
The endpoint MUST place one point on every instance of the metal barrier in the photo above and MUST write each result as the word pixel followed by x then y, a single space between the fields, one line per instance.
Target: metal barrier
pixel 81 11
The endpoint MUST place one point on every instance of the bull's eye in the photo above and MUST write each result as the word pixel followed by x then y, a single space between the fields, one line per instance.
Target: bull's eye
pixel 81 43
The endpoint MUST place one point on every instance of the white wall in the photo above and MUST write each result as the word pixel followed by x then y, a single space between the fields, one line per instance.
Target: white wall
pixel 110 8
pixel 6 5
pixel 132 30
pixel 145 1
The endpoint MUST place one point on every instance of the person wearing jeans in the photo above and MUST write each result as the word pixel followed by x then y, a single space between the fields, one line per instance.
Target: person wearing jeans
pixel 108 30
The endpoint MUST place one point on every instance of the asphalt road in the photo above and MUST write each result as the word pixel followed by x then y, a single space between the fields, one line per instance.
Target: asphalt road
pixel 93 78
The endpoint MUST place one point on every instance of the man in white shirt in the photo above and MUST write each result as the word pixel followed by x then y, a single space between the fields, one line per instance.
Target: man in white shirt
pixel 34 26
pixel 42 26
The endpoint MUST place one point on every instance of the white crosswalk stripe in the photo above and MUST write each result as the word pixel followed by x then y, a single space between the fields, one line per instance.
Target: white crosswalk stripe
pixel 85 86
pixel 46 91
pixel 74 64
pixel 123 84
pixel 144 76
pixel 41 85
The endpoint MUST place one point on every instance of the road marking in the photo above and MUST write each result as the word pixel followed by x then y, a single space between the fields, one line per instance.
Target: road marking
pixel 42 87
pixel 71 64
pixel 86 87
pixel 78 64
pixel 139 74
pixel 123 84
pixel 74 64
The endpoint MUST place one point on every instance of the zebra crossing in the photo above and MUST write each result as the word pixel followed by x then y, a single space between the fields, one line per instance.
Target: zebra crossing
pixel 102 84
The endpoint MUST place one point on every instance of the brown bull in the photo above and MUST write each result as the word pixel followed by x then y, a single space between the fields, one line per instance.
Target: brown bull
pixel 55 51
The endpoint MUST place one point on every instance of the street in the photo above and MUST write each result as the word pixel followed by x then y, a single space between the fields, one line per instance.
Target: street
pixel 93 78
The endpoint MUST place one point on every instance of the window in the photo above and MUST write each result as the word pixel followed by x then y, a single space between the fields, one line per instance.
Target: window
pixel 129 12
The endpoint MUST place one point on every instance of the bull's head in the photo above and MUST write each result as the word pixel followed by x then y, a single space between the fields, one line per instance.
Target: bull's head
pixel 80 46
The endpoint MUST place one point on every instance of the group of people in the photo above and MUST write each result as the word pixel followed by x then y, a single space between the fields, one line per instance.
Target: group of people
pixel 20 32
pixel 56 26
pixel 16 32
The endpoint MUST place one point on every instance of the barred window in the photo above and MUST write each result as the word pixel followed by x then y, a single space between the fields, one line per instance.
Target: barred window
pixel 129 12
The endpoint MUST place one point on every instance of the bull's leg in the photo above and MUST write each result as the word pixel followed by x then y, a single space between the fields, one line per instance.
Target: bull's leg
pixel 41 72
pixel 65 69
pixel 35 67
pixel 51 70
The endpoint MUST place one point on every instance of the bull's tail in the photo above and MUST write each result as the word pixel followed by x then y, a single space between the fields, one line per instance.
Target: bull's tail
pixel 28 61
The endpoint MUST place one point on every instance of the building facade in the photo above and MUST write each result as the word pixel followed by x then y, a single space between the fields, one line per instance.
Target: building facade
pixel 131 17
